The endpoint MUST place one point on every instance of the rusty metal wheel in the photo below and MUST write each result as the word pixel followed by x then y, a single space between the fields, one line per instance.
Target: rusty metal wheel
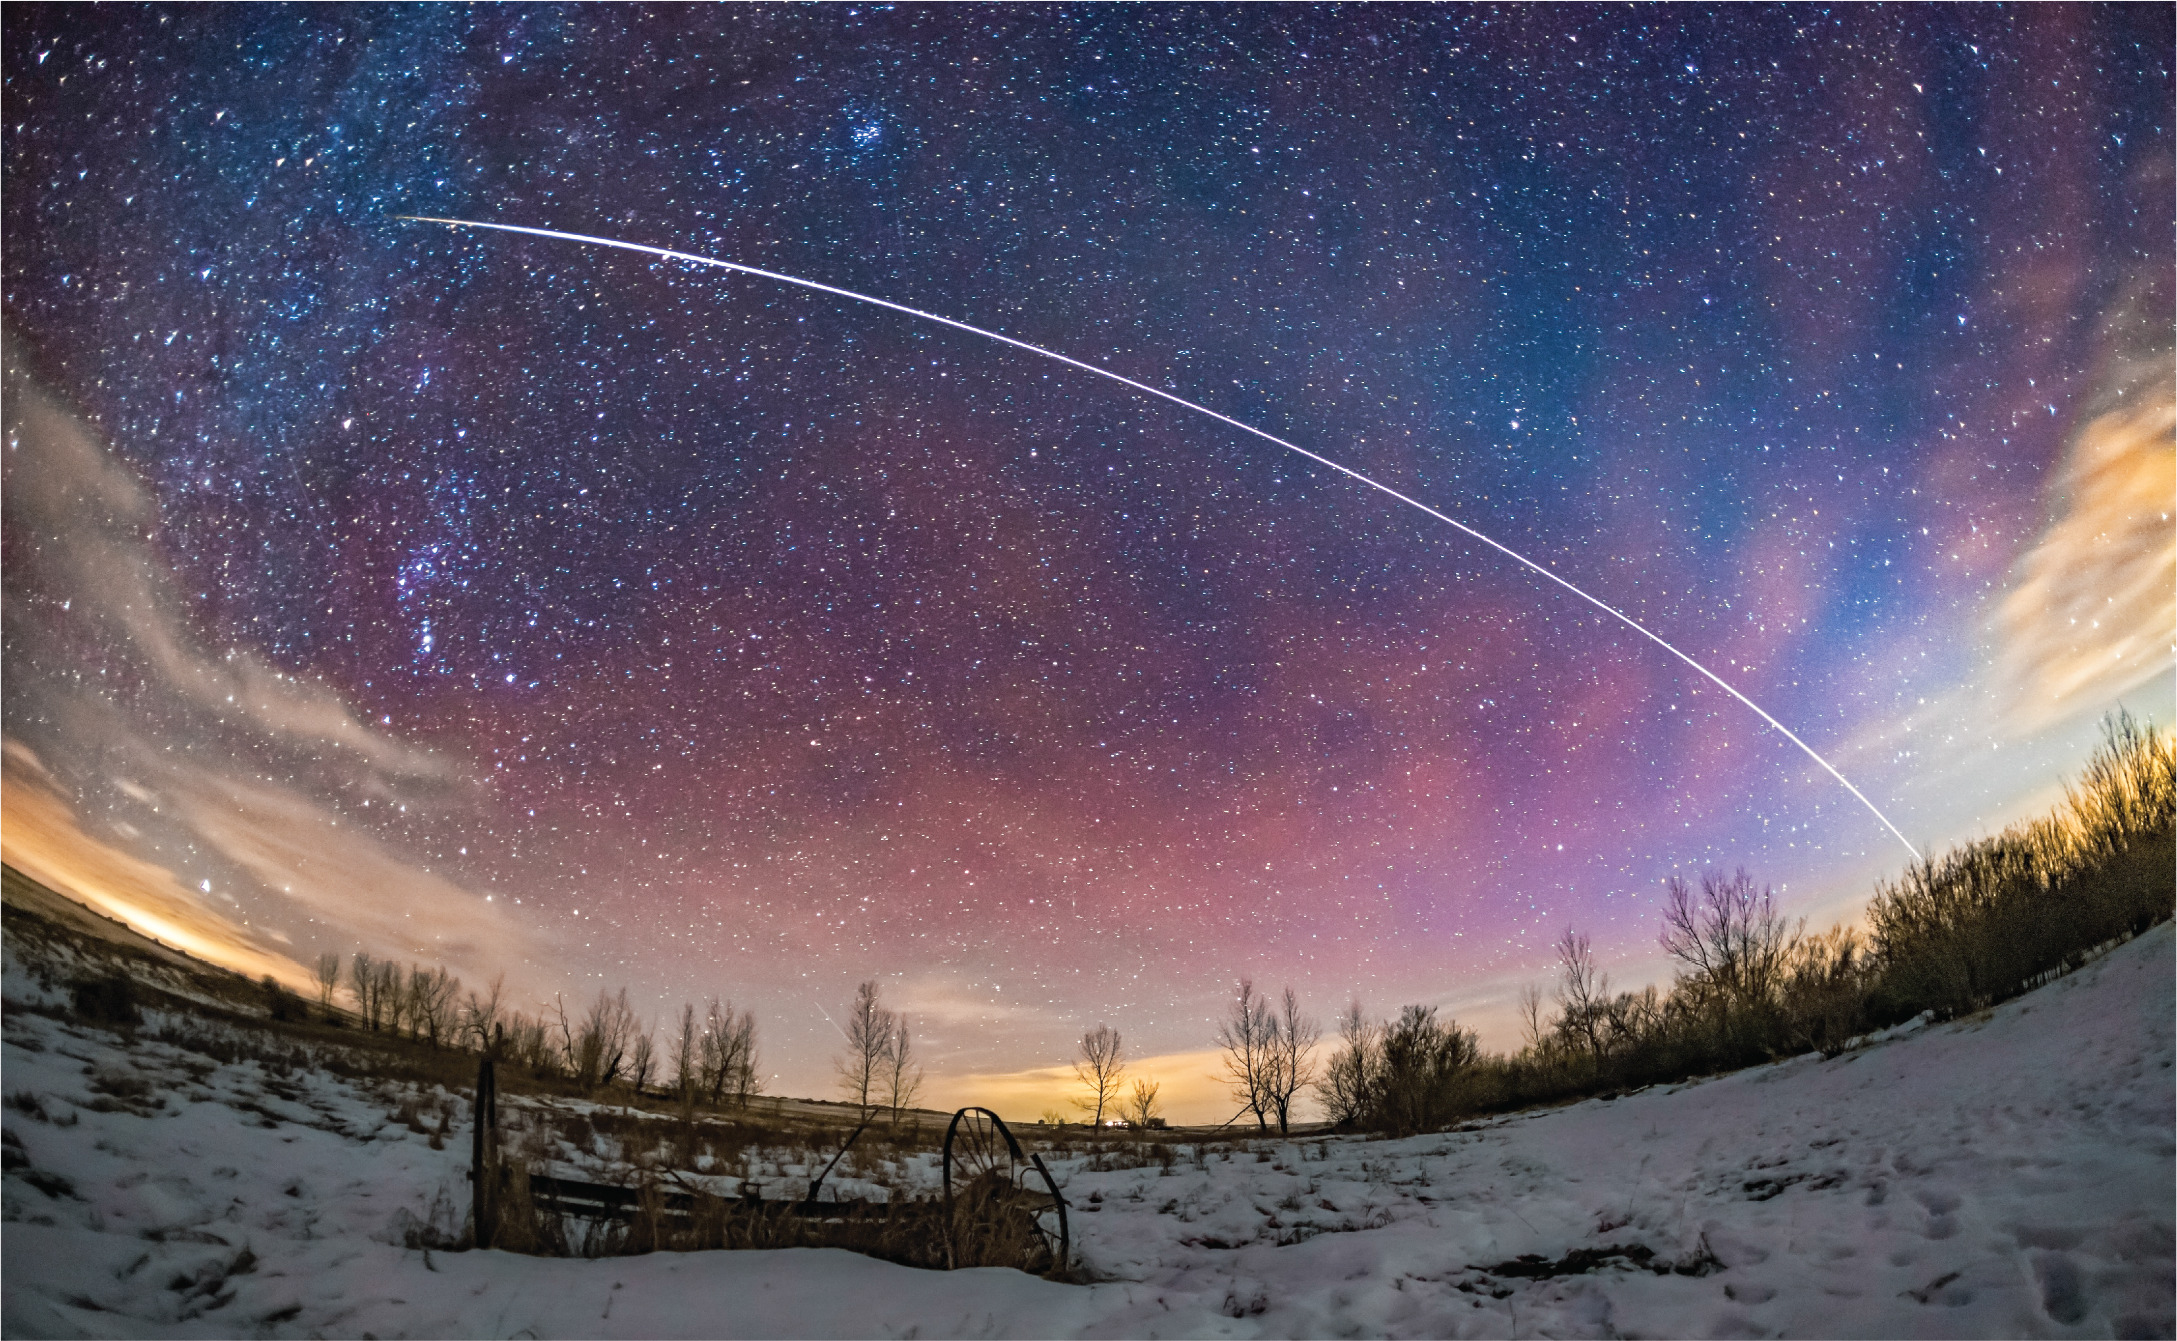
pixel 981 1154
pixel 977 1148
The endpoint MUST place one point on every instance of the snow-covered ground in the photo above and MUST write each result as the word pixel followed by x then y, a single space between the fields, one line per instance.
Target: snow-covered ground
pixel 2008 1175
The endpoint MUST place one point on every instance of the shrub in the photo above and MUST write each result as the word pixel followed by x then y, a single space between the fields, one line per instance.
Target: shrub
pixel 1405 1076
pixel 280 1003
pixel 1977 925
pixel 111 999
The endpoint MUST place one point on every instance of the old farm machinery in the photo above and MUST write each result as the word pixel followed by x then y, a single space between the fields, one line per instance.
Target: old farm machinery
pixel 998 1205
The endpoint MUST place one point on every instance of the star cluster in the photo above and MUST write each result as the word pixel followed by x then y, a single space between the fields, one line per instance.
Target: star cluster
pixel 736 639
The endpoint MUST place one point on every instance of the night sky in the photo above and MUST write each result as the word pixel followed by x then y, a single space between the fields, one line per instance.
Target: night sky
pixel 607 620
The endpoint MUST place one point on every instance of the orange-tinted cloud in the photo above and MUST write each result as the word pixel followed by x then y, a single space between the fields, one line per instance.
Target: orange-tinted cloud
pixel 2093 610
pixel 39 836
pixel 339 876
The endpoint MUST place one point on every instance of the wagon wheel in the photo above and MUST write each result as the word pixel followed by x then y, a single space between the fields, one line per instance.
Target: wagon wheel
pixel 978 1148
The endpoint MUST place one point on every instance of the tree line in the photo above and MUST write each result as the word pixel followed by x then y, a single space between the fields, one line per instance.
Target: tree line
pixel 709 1055
pixel 1954 934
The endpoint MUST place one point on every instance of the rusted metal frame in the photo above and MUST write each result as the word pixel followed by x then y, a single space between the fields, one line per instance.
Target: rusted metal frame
pixel 611 1202
pixel 818 1184
pixel 1065 1238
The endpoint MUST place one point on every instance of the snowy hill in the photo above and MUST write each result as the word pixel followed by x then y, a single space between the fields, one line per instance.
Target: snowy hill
pixel 2005 1175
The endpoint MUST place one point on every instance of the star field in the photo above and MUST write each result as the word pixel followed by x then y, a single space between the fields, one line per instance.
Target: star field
pixel 737 639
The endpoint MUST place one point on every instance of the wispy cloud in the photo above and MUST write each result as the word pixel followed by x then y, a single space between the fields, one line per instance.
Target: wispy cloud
pixel 85 522
pixel 191 790
pixel 2093 610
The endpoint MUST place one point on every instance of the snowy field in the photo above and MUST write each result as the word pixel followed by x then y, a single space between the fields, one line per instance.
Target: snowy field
pixel 2007 1175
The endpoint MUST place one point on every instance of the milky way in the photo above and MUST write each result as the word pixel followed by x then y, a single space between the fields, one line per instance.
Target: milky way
pixel 731 638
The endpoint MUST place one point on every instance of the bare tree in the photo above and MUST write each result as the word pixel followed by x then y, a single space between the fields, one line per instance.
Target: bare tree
pixel 328 980
pixel 1349 1079
pixel 431 997
pixel 363 982
pixel 529 1042
pixel 1141 1106
pixel 1734 944
pixel 392 994
pixel 563 1045
pixel 869 1037
pixel 714 1068
pixel 447 1012
pixel 1248 1037
pixel 642 1059
pixel 600 1048
pixel 728 1053
pixel 1530 1019
pixel 740 1053
pixel 423 997
pixel 1098 1064
pixel 1583 994
pixel 413 1004
pixel 480 1015
pixel 902 1073
pixel 1292 1052
pixel 1422 1064
pixel 687 1062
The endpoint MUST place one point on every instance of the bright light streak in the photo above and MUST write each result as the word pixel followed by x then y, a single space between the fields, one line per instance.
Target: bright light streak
pixel 667 254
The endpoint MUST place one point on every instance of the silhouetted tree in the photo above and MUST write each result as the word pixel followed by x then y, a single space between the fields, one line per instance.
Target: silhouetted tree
pixel 328 981
pixel 869 1038
pixel 363 982
pixel 1420 1063
pixel 687 1055
pixel 481 1015
pixel 1733 945
pixel 1248 1036
pixel 902 1074
pixel 1582 995
pixel 600 1048
pixel 1291 1067
pixel 728 1053
pixel 642 1059
pixel 1351 1076
pixel 1098 1064
pixel 1141 1106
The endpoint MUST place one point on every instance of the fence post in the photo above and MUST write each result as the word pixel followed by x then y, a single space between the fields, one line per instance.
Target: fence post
pixel 484 1156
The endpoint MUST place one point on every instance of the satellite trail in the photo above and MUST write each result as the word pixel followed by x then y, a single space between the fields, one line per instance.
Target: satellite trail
pixel 690 258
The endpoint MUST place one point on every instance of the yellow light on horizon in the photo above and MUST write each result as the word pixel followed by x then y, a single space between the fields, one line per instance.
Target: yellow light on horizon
pixel 40 837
